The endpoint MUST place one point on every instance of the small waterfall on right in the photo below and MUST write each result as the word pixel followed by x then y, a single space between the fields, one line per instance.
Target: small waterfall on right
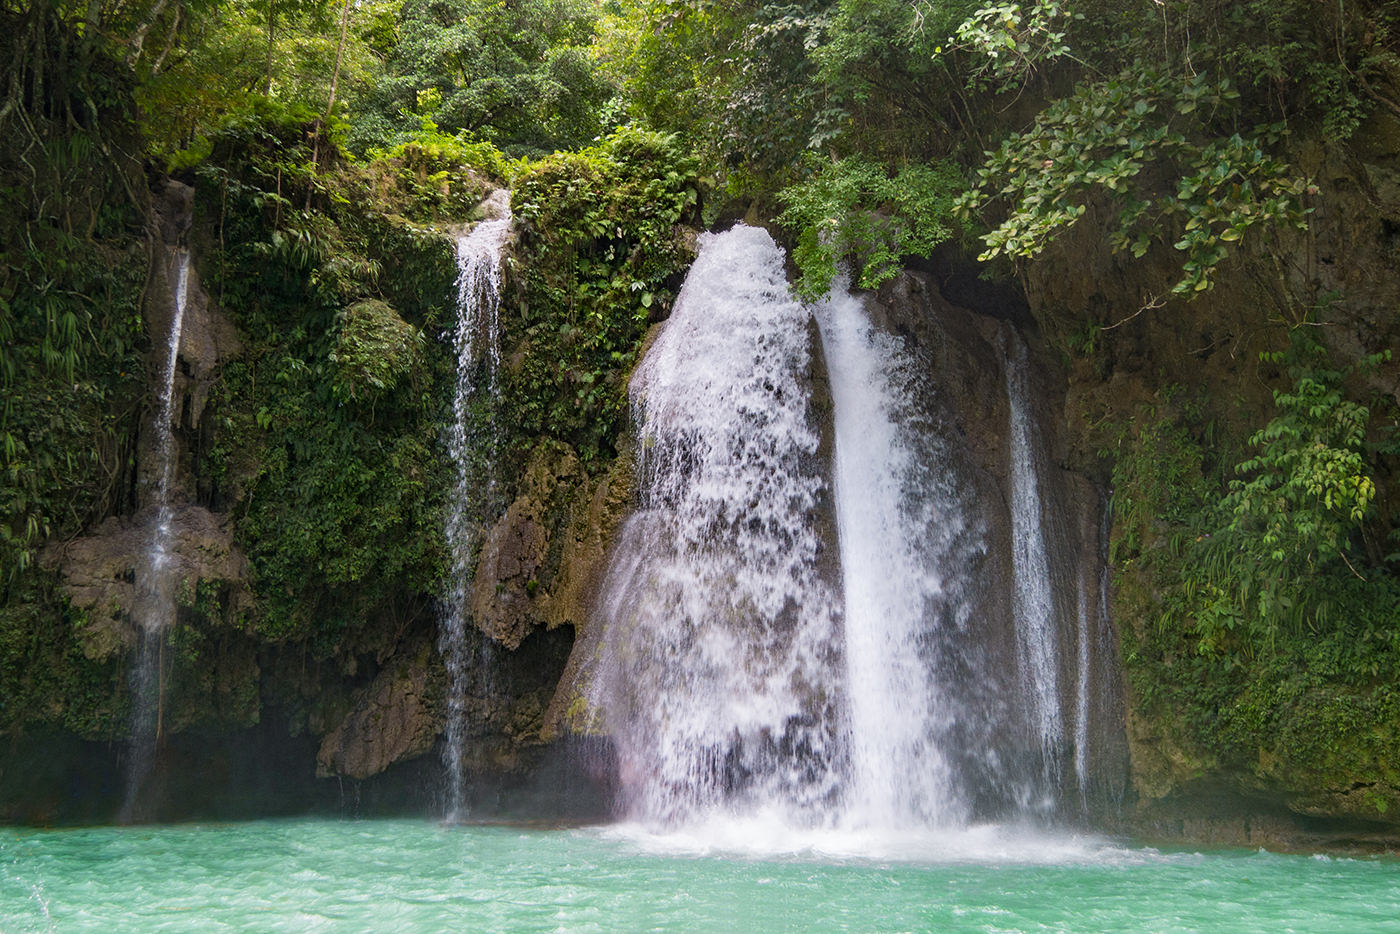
pixel 1037 626
pixel 476 340
pixel 155 584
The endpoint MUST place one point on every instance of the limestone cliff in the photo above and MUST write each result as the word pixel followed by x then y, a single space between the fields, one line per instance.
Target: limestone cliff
pixel 1154 380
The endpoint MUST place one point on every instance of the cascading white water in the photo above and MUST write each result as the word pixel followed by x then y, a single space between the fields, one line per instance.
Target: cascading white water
pixel 900 525
pixel 476 339
pixel 715 675
pixel 805 620
pixel 155 586
pixel 1033 601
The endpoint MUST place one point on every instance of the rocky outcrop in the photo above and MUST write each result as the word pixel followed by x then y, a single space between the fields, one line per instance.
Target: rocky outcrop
pixel 540 560
pixel 106 574
pixel 1159 355
pixel 100 572
pixel 208 338
pixel 396 718
pixel 965 355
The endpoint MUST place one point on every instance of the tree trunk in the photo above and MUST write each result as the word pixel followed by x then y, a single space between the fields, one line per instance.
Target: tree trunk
pixel 335 81
pixel 138 38
pixel 271 25
pixel 339 52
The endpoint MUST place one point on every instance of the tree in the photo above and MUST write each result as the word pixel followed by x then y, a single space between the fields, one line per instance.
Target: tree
pixel 513 74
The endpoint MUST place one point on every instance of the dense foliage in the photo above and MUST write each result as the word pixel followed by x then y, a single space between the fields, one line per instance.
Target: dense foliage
pixel 514 74
pixel 1257 577
pixel 72 270
pixel 1178 112
pixel 328 444
pixel 601 251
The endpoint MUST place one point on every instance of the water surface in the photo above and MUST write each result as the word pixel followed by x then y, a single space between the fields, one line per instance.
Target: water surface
pixel 406 875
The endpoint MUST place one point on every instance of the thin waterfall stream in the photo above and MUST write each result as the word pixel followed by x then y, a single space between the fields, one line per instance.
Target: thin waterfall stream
pixel 1036 623
pixel 472 448
pixel 155 583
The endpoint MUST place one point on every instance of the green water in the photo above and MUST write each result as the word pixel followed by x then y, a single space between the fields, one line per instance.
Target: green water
pixel 383 876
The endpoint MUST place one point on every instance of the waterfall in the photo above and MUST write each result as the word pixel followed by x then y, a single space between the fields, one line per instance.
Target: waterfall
pixel 832 605
pixel 155 584
pixel 715 676
pixel 1098 691
pixel 476 340
pixel 1034 606
pixel 900 525
pixel 1082 689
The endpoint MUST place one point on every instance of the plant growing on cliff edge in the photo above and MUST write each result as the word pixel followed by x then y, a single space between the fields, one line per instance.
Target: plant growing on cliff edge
pixel 1288 524
pixel 374 349
pixel 600 251
pixel 325 447
pixel 855 210
pixel 1096 147
pixel 1010 42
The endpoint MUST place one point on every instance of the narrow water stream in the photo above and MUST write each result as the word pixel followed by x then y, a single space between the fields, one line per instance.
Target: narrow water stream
pixel 155 583
pixel 472 440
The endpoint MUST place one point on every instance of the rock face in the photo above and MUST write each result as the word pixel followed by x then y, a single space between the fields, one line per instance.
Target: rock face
pixel 100 572
pixel 397 718
pixel 960 417
pixel 1342 274
pixel 208 339
pixel 965 356
pixel 536 569
pixel 540 560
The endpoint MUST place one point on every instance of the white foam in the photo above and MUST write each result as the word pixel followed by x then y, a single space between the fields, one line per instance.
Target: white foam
pixel 767 835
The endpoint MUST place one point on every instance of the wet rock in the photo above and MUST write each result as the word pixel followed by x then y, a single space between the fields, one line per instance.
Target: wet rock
pixel 100 572
pixel 208 339
pixel 174 210
pixel 1159 354
pixel 540 561
pixel 507 577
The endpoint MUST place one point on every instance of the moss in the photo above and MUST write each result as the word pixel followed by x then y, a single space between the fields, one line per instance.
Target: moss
pixel 601 252
pixel 435 178
pixel 1309 715
pixel 45 677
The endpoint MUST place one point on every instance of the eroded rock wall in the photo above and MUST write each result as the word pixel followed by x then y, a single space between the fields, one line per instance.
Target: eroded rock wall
pixel 965 354
pixel 1159 358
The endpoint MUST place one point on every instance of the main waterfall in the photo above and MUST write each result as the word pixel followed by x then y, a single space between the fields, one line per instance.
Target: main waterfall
pixel 829 606
pixel 722 612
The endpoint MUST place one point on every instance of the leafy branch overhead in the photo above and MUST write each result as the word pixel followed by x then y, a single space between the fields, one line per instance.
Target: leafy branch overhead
pixel 1133 144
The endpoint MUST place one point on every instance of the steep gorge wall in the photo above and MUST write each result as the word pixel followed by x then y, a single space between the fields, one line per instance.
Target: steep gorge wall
pixel 968 353
pixel 353 689
pixel 1281 747
pixel 312 386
